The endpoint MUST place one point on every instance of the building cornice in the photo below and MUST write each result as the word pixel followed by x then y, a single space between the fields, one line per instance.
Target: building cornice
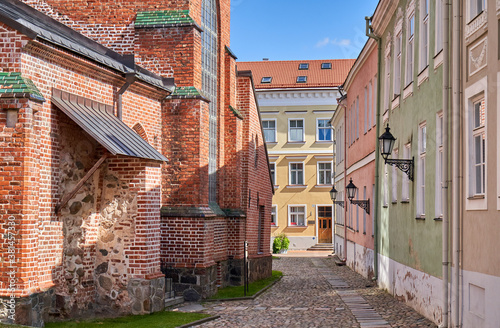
pixel 383 15
pixel 358 64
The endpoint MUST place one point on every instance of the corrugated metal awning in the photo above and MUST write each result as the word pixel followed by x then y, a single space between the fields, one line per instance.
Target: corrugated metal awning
pixel 97 119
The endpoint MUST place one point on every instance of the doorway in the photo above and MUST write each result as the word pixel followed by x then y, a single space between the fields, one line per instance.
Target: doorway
pixel 324 224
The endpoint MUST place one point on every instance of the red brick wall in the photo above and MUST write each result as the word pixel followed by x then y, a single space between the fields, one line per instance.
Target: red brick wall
pixel 31 197
pixel 256 183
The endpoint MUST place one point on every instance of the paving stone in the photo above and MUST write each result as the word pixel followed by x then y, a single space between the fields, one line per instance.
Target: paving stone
pixel 315 293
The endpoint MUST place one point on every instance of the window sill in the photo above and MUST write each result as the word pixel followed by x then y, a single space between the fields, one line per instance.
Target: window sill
pixel 271 143
pixel 420 218
pixel 438 219
pixel 408 91
pixel 296 142
pixel 385 206
pixel 274 226
pixel 395 102
pixel 297 226
pixel 475 197
pixel 276 187
pixel 394 202
pixel 296 186
pixel 323 142
pixel 438 59
pixel 323 186
pixel 405 201
pixel 423 75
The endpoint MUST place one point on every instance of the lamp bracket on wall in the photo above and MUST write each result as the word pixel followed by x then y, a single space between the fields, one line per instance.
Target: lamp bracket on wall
pixel 405 165
pixel 364 204
pixel 339 202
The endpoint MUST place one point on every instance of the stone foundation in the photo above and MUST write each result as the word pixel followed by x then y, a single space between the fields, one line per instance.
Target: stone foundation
pixel 147 295
pixel 195 284
pixel 31 310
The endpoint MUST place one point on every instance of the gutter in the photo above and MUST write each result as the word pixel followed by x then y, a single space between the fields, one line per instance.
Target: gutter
pixel 455 153
pixel 129 79
pixel 444 179
pixel 371 34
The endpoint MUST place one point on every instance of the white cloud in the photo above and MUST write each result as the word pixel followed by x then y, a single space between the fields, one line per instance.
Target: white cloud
pixel 323 42
pixel 326 41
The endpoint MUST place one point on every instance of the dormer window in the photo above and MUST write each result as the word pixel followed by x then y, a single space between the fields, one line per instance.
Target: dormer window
pixel 266 79
pixel 303 66
pixel 301 79
pixel 326 65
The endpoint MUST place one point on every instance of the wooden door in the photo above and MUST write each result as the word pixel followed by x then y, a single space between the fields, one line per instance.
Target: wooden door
pixel 324 224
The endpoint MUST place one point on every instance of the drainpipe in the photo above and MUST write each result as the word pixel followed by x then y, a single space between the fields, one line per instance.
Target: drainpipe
pixel 370 34
pixel 129 79
pixel 444 178
pixel 455 151
pixel 340 103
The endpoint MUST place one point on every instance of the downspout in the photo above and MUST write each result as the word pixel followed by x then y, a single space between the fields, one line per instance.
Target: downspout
pixel 370 34
pixel 129 79
pixel 344 259
pixel 455 153
pixel 128 62
pixel 444 178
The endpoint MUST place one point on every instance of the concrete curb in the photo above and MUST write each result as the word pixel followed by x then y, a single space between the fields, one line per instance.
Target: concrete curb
pixel 199 322
pixel 247 297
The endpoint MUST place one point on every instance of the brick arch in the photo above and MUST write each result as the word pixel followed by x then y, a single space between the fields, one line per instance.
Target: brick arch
pixel 139 129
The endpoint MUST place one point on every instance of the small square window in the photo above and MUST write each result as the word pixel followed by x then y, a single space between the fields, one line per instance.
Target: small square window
pixel 326 65
pixel 301 79
pixel 266 79
pixel 303 66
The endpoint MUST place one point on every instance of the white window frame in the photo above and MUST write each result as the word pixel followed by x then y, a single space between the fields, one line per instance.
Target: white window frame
pixel 474 11
pixel 371 109
pixel 398 53
pixel 290 174
pixel 478 131
pixel 303 129
pixel 387 82
pixel 274 210
pixel 273 171
pixel 269 129
pixel 438 207
pixel 421 168
pixel 318 170
pixel 290 215
pixel 356 121
pixel 410 47
pixel 322 128
pixel 394 178
pixel 386 187
pixel 366 109
pixel 364 212
pixel 472 94
pixel 438 47
pixel 405 184
pixel 424 34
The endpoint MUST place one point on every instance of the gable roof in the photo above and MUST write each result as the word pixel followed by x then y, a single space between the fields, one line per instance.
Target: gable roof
pixel 36 25
pixel 284 73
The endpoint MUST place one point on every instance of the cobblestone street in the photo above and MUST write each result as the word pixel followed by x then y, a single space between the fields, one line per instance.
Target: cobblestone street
pixel 314 292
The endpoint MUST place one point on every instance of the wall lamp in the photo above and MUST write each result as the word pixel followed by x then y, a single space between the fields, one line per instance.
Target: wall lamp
pixel 333 196
pixel 351 193
pixel 386 144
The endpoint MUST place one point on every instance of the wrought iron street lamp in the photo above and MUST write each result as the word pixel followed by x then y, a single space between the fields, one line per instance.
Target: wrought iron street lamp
pixel 333 196
pixel 351 193
pixel 386 144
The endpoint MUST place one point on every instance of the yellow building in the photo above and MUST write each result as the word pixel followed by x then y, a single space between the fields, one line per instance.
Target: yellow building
pixel 297 100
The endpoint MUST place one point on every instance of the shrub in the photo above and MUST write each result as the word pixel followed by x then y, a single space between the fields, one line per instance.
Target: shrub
pixel 280 242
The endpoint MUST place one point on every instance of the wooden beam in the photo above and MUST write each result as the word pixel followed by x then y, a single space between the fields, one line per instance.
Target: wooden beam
pixel 87 176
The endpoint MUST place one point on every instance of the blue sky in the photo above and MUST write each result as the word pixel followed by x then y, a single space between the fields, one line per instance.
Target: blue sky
pixel 298 29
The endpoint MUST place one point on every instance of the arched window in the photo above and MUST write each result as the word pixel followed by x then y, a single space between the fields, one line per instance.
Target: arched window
pixel 209 85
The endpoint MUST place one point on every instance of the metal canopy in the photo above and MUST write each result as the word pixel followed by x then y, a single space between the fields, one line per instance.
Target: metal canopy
pixel 97 119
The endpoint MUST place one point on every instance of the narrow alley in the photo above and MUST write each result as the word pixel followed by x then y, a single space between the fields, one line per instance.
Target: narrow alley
pixel 314 292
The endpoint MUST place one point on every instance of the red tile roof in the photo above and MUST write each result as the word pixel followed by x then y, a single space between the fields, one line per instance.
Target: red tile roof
pixel 284 73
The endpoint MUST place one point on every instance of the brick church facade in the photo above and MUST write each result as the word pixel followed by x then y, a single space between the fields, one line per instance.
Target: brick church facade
pixel 131 154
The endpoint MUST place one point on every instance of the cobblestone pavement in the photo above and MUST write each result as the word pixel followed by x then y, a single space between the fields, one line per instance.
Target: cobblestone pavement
pixel 314 292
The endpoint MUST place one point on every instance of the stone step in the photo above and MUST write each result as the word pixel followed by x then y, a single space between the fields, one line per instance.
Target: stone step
pixel 321 247
pixel 174 301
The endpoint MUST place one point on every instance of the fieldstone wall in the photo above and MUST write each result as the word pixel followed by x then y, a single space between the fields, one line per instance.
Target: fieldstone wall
pixel 31 310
